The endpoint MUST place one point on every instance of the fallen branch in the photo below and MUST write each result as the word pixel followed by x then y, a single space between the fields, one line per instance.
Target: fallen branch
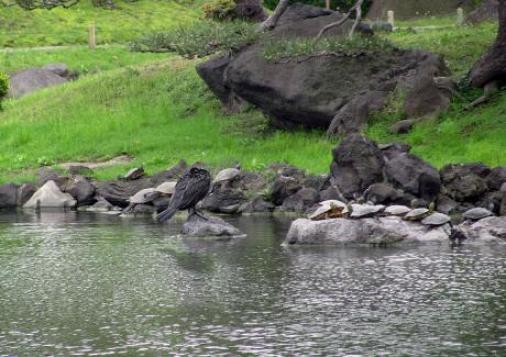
pixel 358 10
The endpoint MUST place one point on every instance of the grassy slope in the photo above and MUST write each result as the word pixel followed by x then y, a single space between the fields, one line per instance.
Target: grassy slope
pixel 162 112
pixel 157 113
pixel 61 26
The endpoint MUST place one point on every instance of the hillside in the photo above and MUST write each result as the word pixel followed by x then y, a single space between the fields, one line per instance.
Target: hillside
pixel 154 108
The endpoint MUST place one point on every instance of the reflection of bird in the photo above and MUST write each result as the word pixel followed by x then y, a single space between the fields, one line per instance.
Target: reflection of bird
pixel 457 237
pixel 192 187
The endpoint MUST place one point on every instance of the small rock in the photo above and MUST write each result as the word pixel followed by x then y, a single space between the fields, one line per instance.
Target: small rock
pixel 397 210
pixel 80 189
pixel 446 205
pixel 417 214
pixel 402 127
pixel 381 193
pixel 50 196
pixel 436 219
pixel 8 196
pixel 362 211
pixel 224 200
pixel 101 206
pixel 134 174
pixel 258 204
pixel 282 188
pixel 475 214
pixel 47 174
pixel 301 201
pixel 197 226
pixel 25 192
pixel 496 178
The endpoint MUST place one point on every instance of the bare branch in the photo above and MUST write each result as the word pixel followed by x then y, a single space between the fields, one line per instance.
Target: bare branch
pixel 272 20
pixel 358 10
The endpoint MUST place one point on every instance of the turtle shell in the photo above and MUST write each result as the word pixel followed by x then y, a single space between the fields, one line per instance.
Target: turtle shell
pixel 227 174
pixel 167 188
pixel 143 196
pixel 436 219
pixel 477 213
pixel 329 209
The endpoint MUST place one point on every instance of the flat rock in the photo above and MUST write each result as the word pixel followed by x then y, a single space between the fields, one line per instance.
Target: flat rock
pixel 487 229
pixel 212 226
pixel 362 211
pixel 50 196
pixel 477 213
pixel 369 231
pixel 30 80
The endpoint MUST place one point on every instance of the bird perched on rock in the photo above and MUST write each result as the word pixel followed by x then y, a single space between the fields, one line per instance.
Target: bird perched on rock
pixel 191 188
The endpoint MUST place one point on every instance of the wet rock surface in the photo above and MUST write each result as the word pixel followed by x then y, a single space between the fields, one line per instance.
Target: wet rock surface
pixel 208 226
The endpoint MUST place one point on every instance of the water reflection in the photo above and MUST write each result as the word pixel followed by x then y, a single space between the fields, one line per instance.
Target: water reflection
pixel 78 284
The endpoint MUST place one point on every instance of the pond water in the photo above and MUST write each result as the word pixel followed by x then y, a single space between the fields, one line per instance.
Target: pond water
pixel 85 285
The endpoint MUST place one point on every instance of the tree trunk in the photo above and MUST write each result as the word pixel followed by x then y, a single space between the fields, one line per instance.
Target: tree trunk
pixel 492 66
pixel 271 22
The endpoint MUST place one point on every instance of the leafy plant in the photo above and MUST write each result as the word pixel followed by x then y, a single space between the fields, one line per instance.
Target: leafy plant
pixel 4 86
pixel 219 9
pixel 199 40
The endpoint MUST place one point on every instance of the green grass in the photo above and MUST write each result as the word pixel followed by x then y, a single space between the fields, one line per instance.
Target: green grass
pixel 80 59
pixel 61 26
pixel 158 113
pixel 460 46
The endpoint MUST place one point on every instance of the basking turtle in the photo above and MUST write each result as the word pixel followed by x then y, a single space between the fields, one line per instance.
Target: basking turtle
pixel 144 196
pixel 397 210
pixel 226 176
pixel 167 188
pixel 363 211
pixel 328 210
pixel 475 214
pixel 436 219
pixel 417 214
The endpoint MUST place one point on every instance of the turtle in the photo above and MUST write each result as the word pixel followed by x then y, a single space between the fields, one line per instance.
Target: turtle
pixel 475 214
pixel 329 209
pixel 144 196
pixel 134 174
pixel 167 188
pixel 363 211
pixel 436 219
pixel 397 210
pixel 417 214
pixel 226 176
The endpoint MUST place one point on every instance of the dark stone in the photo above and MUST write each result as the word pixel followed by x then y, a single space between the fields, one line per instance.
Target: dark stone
pixel 462 183
pixel 491 201
pixel 118 192
pixel 142 208
pixel 30 80
pixel 161 203
pixel 301 201
pixel 502 208
pixel 47 174
pixel 8 196
pixel 315 91
pixel 81 189
pixel 250 181
pixel 331 193
pixel 392 150
pixel 258 204
pixel 282 188
pixel 411 174
pixel 251 10
pixel 80 170
pixel 25 192
pixel 358 163
pixel 210 226
pixel 496 178
pixel 382 193
pixel 446 205
pixel 425 98
pixel 59 69
pixel 316 182
pixel 224 200
pixel 402 127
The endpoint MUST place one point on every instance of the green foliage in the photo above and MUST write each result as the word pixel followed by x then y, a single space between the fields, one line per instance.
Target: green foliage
pixel 342 5
pixel 219 9
pixel 199 40
pixel 345 47
pixel 4 86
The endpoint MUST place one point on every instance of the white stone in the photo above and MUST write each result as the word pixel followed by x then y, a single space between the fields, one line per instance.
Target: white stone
pixel 50 196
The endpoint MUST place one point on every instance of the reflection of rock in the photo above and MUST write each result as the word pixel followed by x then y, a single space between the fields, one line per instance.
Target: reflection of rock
pixel 210 226
pixel 50 196
pixel 369 231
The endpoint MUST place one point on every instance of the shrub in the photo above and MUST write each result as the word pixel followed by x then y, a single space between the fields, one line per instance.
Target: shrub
pixel 200 39
pixel 4 86
pixel 219 9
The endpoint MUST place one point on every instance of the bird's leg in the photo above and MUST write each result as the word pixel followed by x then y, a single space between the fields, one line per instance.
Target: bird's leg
pixel 193 211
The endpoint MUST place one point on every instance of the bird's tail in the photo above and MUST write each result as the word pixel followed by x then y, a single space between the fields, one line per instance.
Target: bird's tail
pixel 167 214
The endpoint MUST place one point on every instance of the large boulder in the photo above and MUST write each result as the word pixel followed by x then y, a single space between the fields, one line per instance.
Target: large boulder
pixel 490 228
pixel 30 80
pixel 315 91
pixel 382 231
pixel 50 196
pixel 464 182
pixel 224 201
pixel 81 189
pixel 358 163
pixel 301 201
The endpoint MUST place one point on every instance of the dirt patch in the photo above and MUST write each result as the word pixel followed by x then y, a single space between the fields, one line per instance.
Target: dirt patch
pixel 118 160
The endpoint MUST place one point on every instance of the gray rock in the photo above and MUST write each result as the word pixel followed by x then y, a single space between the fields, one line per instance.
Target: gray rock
pixel 487 229
pixel 413 175
pixel 436 219
pixel 59 69
pixel 496 178
pixel 463 182
pixel 368 231
pixel 301 201
pixel 134 174
pixel 30 80
pixel 358 163
pixel 477 213
pixel 224 200
pixel 446 205
pixel 282 188
pixel 25 192
pixel 8 196
pixel 382 193
pixel 197 226
pixel 362 211
pixel 417 214
pixel 403 126
pixel 256 205
pixel 50 196
pixel 81 189
pixel 397 210
pixel 425 98
pixel 46 174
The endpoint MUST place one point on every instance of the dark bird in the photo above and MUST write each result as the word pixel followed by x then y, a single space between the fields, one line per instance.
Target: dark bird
pixel 191 188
